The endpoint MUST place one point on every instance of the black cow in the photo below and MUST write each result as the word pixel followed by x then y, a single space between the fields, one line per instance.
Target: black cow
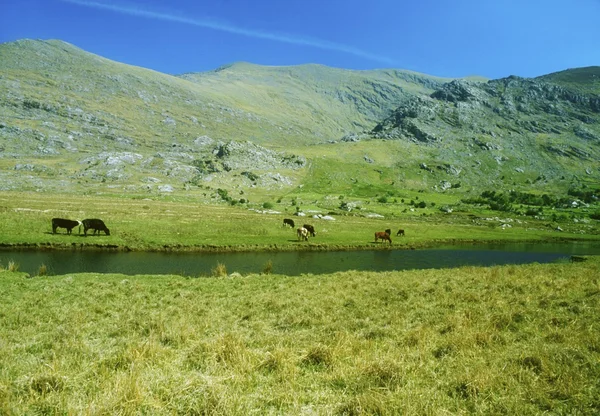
pixel 389 231
pixel 400 232
pixel 64 223
pixel 310 229
pixel 287 221
pixel 94 224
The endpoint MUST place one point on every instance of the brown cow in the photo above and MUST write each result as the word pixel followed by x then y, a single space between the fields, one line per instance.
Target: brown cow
pixel 382 235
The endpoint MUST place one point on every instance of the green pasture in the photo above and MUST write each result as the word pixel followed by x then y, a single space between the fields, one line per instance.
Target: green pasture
pixel 183 224
pixel 518 340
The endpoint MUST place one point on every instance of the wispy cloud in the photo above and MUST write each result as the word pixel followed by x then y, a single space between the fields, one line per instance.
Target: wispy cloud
pixel 134 10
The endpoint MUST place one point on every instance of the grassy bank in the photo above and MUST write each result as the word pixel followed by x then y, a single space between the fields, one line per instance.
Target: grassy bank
pixel 501 340
pixel 181 224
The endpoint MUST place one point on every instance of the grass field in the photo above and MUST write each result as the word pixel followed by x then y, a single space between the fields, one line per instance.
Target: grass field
pixel 518 340
pixel 184 224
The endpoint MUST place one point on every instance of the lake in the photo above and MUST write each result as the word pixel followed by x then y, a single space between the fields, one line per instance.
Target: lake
pixel 293 263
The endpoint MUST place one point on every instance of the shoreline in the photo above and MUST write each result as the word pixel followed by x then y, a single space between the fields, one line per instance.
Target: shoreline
pixel 210 248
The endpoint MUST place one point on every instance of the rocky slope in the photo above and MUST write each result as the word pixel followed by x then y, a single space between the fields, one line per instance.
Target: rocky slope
pixel 72 121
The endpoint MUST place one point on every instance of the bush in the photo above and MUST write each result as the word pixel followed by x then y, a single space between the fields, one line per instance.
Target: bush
pixel 501 206
pixel 532 212
pixel 382 199
pixel 267 205
pixel 224 195
pixel 220 270
pixel 268 269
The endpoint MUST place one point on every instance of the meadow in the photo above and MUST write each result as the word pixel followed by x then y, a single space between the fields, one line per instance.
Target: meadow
pixel 500 340
pixel 181 223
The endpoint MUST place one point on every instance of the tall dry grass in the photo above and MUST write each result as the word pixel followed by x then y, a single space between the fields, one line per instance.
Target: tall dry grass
pixel 500 340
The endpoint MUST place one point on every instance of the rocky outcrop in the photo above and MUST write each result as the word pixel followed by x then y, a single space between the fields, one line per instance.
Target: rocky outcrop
pixel 409 121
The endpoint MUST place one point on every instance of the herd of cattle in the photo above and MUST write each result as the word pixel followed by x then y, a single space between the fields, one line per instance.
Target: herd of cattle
pixel 307 229
pixel 88 224
pixel 98 225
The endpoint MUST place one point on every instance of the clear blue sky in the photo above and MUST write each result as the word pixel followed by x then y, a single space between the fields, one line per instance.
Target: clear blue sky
pixel 450 38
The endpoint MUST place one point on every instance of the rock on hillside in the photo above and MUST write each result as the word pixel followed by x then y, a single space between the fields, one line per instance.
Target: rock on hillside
pixel 528 124
pixel 204 160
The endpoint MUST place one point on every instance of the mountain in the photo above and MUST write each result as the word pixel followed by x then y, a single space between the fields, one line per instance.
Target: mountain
pixel 546 126
pixel 582 80
pixel 72 121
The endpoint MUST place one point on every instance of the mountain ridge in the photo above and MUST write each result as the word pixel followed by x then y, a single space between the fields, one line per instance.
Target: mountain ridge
pixel 72 119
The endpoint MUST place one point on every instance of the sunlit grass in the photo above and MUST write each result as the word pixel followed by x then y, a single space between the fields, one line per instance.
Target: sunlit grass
pixel 499 340
pixel 180 224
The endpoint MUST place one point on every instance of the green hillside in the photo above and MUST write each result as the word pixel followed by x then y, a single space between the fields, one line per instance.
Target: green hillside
pixel 585 80
pixel 74 122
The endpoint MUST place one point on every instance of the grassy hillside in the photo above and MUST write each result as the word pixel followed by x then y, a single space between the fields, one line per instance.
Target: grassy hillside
pixel 74 122
pixel 314 95
pixel 242 101
pixel 585 80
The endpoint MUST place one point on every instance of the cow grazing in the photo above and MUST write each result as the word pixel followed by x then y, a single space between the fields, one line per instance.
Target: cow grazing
pixel 64 223
pixel 389 231
pixel 382 235
pixel 287 221
pixel 400 232
pixel 302 234
pixel 94 224
pixel 310 229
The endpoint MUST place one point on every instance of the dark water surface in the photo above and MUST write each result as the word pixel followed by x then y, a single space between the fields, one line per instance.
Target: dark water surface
pixel 293 263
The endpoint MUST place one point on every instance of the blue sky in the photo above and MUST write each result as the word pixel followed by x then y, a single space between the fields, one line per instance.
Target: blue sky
pixel 449 38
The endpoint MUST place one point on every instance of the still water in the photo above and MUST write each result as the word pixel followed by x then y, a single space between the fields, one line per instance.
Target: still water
pixel 293 263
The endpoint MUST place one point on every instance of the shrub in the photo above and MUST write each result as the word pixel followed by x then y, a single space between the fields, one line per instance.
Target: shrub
pixel 382 199
pixel 224 195
pixel 220 270
pixel 12 266
pixel 43 270
pixel 500 206
pixel 31 104
pixel 532 212
pixel 268 268
pixel 267 205
pixel 252 176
